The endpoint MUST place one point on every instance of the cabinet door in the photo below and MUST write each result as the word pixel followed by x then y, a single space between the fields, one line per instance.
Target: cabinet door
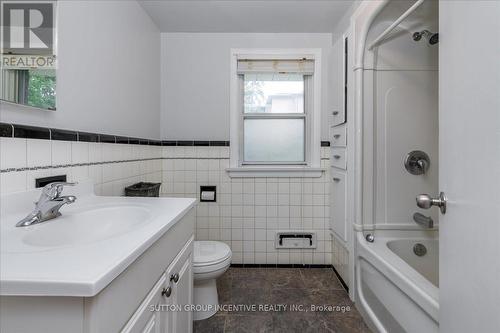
pixel 149 318
pixel 339 158
pixel 180 279
pixel 338 222
pixel 338 136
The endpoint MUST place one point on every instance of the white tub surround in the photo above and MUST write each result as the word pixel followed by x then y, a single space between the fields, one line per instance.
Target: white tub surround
pixel 392 295
pixel 63 257
pixel 397 289
pixel 426 262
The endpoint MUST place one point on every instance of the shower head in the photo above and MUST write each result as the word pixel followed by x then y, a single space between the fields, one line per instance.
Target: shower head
pixel 432 37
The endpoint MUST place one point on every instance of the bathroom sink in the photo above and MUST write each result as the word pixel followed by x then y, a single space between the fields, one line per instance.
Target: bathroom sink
pixel 86 226
pixel 80 252
pixel 76 227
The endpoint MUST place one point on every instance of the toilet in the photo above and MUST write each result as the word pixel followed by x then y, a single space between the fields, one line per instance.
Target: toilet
pixel 210 260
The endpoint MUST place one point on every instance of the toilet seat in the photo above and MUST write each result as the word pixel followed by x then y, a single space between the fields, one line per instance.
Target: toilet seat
pixel 210 253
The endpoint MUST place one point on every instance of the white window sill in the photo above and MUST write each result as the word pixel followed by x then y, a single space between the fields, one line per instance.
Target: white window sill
pixel 281 171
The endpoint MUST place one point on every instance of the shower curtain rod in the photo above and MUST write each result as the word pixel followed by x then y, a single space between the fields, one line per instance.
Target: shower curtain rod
pixel 395 24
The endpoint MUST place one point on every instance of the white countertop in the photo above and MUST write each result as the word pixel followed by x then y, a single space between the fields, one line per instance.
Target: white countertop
pixel 76 266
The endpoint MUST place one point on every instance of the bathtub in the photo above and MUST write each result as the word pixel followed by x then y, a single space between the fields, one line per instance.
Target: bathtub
pixel 397 290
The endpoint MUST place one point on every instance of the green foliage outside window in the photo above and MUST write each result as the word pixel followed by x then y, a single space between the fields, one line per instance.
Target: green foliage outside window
pixel 42 89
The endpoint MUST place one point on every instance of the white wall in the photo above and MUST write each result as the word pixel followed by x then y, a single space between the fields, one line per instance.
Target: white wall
pixel 345 21
pixel 108 73
pixel 195 79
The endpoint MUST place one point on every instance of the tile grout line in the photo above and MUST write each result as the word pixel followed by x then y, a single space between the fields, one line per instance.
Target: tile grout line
pixel 107 162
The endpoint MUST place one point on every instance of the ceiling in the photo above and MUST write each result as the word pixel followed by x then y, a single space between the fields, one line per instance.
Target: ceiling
pixel 246 15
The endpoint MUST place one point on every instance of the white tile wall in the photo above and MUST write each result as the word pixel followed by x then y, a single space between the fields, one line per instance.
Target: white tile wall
pixel 249 211
pixel 246 216
pixel 12 153
pixel 43 158
pixel 340 258
pixel 38 152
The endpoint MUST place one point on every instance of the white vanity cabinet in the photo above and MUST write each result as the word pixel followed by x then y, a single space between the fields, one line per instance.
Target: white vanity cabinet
pixel 166 308
pixel 180 295
pixel 146 320
pixel 161 275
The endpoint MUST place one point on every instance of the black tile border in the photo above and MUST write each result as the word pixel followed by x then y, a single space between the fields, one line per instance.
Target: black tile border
pixel 134 141
pixel 6 130
pixel 45 133
pixel 31 132
pixel 88 137
pixel 185 143
pixel 154 143
pixel 63 135
pixel 122 140
pixel 194 143
pixel 280 266
pixel 219 143
pixel 341 280
pixel 104 138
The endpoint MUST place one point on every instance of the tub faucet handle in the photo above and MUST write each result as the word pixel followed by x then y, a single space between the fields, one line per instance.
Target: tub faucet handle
pixel 423 221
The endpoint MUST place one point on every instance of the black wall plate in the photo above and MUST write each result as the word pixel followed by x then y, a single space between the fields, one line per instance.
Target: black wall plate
pixel 41 182
pixel 208 189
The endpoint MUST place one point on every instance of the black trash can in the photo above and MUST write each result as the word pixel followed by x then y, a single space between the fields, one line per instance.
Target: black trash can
pixel 143 189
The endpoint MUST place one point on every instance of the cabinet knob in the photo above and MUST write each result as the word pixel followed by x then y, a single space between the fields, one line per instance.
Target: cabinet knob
pixel 336 157
pixel 335 113
pixel 166 292
pixel 336 136
pixel 174 277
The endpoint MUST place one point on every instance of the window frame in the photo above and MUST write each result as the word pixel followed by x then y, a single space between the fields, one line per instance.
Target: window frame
pixel 307 92
pixel 312 118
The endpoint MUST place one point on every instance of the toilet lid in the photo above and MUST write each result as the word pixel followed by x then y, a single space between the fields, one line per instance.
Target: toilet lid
pixel 210 252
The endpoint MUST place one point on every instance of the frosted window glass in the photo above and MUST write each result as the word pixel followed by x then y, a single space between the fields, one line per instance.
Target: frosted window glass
pixel 274 140
pixel 273 93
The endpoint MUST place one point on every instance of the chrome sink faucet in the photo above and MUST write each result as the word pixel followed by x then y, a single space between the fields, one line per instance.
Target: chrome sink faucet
pixel 47 207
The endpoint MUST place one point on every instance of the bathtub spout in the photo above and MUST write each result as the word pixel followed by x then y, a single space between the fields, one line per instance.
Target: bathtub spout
pixel 423 221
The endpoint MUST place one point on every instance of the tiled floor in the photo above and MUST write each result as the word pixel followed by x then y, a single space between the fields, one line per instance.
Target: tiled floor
pixel 288 286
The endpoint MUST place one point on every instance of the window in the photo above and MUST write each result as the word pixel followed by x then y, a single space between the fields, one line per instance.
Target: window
pixel 29 56
pixel 33 87
pixel 274 119
pixel 274 113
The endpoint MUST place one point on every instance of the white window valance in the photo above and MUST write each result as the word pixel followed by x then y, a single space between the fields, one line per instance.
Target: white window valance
pixel 302 66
